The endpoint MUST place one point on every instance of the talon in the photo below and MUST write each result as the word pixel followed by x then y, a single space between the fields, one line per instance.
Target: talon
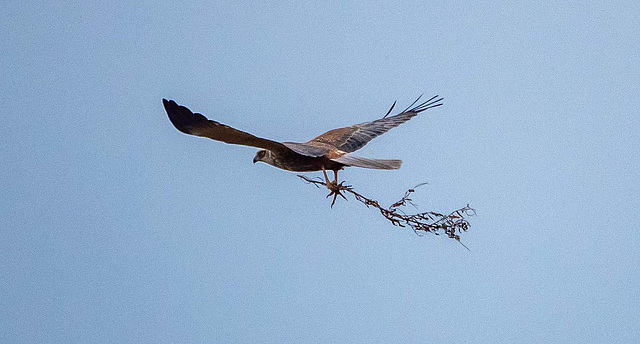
pixel 334 187
pixel 335 191
pixel 334 200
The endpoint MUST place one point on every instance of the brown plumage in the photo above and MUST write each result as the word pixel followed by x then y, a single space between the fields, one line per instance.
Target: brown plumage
pixel 329 151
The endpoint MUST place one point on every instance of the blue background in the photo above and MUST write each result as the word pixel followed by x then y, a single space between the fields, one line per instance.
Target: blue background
pixel 115 227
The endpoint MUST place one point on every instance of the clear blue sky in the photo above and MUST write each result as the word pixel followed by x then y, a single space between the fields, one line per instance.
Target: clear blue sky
pixel 115 227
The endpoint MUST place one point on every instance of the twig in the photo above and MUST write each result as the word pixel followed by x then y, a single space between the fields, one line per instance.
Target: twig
pixel 452 224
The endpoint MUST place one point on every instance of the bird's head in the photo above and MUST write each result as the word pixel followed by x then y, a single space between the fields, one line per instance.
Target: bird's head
pixel 260 155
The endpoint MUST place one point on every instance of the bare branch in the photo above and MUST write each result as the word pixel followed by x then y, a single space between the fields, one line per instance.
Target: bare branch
pixel 452 224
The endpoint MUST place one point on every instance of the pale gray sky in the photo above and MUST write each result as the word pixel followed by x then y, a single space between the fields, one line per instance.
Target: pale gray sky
pixel 115 227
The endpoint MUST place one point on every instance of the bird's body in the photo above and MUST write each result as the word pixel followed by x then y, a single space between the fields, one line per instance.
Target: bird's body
pixel 292 161
pixel 329 151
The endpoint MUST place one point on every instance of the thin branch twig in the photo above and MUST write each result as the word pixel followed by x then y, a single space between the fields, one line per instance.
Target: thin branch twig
pixel 452 224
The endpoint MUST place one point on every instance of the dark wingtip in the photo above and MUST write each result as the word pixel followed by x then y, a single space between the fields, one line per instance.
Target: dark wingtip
pixel 167 103
pixel 181 117
pixel 178 115
pixel 391 109
pixel 431 103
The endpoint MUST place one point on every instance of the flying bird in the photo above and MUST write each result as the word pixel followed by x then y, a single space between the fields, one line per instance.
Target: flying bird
pixel 329 151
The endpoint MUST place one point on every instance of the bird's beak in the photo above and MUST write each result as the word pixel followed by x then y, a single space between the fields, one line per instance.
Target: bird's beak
pixel 255 159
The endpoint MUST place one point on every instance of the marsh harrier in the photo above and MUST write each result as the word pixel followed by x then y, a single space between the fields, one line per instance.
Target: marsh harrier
pixel 329 151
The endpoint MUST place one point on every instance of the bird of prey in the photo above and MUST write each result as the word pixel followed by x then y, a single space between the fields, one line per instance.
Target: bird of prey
pixel 329 151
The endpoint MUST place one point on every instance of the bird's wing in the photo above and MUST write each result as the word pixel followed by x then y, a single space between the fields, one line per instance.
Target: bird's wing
pixel 350 139
pixel 197 124
pixel 313 149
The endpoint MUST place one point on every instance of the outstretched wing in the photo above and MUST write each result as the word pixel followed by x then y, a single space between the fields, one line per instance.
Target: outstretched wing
pixel 196 124
pixel 314 149
pixel 350 139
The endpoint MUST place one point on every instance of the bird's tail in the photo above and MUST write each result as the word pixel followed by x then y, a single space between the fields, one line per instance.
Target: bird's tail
pixel 378 164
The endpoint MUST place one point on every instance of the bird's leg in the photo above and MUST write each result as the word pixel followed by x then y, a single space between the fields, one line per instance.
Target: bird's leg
pixel 333 186
pixel 326 178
